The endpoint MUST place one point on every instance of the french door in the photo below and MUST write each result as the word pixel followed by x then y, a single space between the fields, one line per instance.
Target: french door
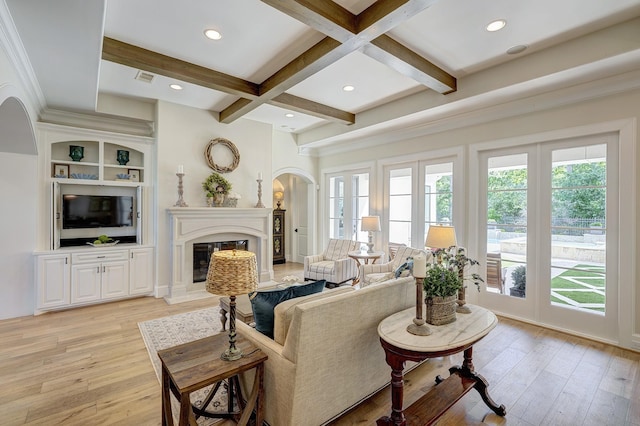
pixel 348 201
pixel 420 194
pixel 549 213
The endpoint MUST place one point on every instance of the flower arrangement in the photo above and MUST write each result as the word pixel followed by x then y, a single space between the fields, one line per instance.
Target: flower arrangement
pixel 445 273
pixel 216 184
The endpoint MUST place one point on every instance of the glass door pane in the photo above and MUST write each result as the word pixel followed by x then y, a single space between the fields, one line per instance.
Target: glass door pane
pixel 336 207
pixel 438 195
pixel 400 206
pixel 360 191
pixel 578 228
pixel 507 225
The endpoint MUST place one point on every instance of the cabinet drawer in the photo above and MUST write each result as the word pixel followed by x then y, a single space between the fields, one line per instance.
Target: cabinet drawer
pixel 101 256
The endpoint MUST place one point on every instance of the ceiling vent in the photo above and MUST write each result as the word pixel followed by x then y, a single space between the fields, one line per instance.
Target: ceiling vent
pixel 144 76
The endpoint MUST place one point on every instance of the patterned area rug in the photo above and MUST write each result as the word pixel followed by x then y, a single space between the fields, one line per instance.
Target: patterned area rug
pixel 163 333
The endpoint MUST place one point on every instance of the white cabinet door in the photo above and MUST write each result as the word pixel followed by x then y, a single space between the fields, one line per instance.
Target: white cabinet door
pixel 141 271
pixel 85 282
pixel 53 280
pixel 115 279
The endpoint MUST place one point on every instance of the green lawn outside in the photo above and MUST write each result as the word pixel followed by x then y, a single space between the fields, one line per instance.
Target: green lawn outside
pixel 582 287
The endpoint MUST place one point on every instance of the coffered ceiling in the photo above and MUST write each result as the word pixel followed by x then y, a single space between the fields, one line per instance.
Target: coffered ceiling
pixel 293 57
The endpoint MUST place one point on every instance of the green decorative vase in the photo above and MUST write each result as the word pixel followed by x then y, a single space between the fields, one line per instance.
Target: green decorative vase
pixel 123 157
pixel 76 152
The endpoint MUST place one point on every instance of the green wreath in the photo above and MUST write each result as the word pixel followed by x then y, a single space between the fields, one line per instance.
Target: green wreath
pixel 215 183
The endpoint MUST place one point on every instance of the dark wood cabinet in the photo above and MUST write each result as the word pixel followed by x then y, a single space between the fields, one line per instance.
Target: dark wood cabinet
pixel 278 236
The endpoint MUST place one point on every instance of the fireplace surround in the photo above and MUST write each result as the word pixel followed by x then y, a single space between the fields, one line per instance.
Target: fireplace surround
pixel 193 225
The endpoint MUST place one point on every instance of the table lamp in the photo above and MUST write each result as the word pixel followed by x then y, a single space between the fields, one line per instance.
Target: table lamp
pixel 370 224
pixel 231 273
pixel 443 237
pixel 278 196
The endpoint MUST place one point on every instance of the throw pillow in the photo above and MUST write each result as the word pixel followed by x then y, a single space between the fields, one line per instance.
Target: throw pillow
pixel 263 302
pixel 404 270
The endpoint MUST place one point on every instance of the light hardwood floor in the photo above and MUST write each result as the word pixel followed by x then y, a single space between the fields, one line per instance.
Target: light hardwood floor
pixel 89 366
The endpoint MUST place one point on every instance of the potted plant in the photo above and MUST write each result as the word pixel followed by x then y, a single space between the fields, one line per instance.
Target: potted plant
pixel 216 187
pixel 445 277
pixel 519 277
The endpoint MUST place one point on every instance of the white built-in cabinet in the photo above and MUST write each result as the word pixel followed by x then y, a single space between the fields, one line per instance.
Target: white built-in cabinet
pixel 140 271
pixel 53 280
pixel 76 276
pixel 91 276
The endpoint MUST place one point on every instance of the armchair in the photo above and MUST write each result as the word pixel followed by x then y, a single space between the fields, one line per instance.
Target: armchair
pixel 334 264
pixel 373 273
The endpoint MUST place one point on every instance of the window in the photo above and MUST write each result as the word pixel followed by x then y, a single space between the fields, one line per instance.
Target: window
pixel 400 206
pixel 347 205
pixel 438 195
pixel 578 228
pixel 420 194
pixel 336 207
pixel 507 224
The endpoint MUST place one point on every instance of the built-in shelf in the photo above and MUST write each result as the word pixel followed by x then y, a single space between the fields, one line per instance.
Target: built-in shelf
pixel 99 160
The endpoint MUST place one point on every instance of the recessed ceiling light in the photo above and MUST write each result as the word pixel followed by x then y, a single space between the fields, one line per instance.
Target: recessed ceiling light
pixel 175 86
pixel 212 34
pixel 516 49
pixel 496 25
pixel 348 88
pixel 289 115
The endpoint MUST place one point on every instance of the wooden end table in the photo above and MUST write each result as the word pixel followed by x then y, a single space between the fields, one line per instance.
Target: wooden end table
pixel 359 255
pixel 401 346
pixel 195 365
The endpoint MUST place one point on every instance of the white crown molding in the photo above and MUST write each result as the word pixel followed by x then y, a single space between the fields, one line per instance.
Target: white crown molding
pixel 97 121
pixel 12 45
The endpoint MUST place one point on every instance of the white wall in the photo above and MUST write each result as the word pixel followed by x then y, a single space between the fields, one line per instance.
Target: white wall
pixel 18 183
pixel 183 134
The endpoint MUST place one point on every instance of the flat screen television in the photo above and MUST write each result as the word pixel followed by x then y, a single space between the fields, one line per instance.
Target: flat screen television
pixel 96 211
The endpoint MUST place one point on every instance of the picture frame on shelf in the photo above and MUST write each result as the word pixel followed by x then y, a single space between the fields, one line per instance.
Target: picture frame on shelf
pixel 61 171
pixel 134 175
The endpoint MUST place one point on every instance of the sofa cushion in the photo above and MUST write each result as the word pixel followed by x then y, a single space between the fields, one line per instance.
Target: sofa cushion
pixel 263 303
pixel 284 311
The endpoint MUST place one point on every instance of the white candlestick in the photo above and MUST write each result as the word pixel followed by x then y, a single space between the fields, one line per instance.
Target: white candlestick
pixel 260 175
pixel 180 168
pixel 420 265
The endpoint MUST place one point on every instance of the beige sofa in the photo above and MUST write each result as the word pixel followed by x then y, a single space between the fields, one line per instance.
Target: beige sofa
pixel 326 354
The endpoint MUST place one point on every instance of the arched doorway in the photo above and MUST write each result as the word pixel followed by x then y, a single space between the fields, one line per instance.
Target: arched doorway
pixel 300 201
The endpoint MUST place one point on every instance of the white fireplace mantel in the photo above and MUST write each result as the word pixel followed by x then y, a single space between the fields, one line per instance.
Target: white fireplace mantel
pixel 188 224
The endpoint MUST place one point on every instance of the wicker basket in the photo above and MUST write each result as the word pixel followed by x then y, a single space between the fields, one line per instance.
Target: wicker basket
pixel 230 202
pixel 441 310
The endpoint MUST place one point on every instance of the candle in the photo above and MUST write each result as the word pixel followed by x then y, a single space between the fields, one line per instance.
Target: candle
pixel 180 168
pixel 259 175
pixel 420 265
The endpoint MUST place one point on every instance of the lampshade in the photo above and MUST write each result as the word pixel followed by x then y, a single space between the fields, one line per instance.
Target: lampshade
pixel 278 195
pixel 232 272
pixel 440 237
pixel 370 223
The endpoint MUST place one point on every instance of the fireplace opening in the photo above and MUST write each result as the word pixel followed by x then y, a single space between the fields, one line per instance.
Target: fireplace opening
pixel 202 255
